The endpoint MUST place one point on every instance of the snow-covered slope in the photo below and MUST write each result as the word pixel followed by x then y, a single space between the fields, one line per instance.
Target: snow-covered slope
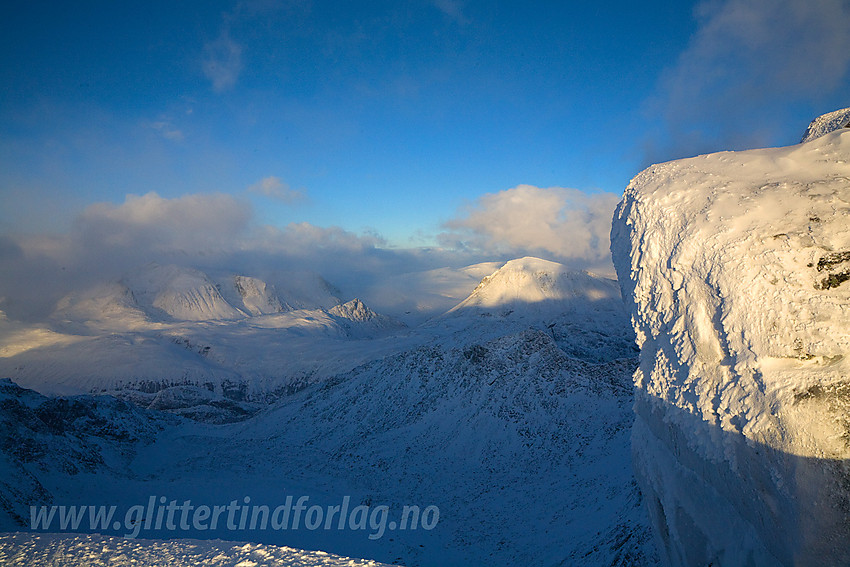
pixel 305 290
pixel 253 358
pixel 22 549
pixel 113 337
pixel 734 267
pixel 415 297
pixel 17 337
pixel 251 295
pixel 523 449
pixel 43 438
pixel 108 306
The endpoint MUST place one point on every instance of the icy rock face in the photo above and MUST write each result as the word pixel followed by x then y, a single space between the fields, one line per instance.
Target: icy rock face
pixel 734 267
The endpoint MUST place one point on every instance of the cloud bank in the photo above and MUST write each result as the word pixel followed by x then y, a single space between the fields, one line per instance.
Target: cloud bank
pixel 207 231
pixel 218 233
pixel 567 225
pixel 149 222
pixel 746 62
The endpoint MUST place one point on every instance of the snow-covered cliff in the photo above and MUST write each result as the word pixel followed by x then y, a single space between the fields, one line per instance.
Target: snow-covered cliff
pixel 734 267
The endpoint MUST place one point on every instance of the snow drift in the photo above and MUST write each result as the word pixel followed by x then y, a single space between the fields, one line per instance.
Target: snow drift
pixel 734 267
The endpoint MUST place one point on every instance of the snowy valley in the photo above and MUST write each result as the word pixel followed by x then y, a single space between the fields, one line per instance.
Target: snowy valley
pixel 510 413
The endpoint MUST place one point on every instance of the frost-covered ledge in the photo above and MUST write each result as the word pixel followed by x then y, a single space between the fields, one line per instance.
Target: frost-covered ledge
pixel 734 267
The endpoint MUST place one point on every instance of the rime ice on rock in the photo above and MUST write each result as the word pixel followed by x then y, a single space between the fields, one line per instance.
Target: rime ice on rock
pixel 827 123
pixel 734 267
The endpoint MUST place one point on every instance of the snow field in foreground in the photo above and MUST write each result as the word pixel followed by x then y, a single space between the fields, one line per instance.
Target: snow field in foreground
pixel 95 550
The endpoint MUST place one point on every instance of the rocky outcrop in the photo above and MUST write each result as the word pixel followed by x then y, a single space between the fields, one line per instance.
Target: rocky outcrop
pixel 827 123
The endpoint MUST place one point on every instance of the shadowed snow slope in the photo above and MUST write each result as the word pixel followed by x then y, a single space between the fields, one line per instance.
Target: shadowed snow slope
pixel 43 437
pixel 523 449
pixel 734 267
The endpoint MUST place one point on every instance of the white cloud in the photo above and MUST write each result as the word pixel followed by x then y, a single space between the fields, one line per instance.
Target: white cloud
pixel 559 223
pixel 189 223
pixel 275 188
pixel 746 62
pixel 222 62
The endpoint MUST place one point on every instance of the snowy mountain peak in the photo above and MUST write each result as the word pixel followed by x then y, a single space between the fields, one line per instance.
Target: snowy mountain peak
pixel 354 310
pixel 144 295
pixel 183 293
pixel 530 280
pixel 826 123
pixel 359 321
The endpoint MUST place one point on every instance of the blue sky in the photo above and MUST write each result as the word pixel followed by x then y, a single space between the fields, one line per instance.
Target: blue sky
pixel 388 115
pixel 391 123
